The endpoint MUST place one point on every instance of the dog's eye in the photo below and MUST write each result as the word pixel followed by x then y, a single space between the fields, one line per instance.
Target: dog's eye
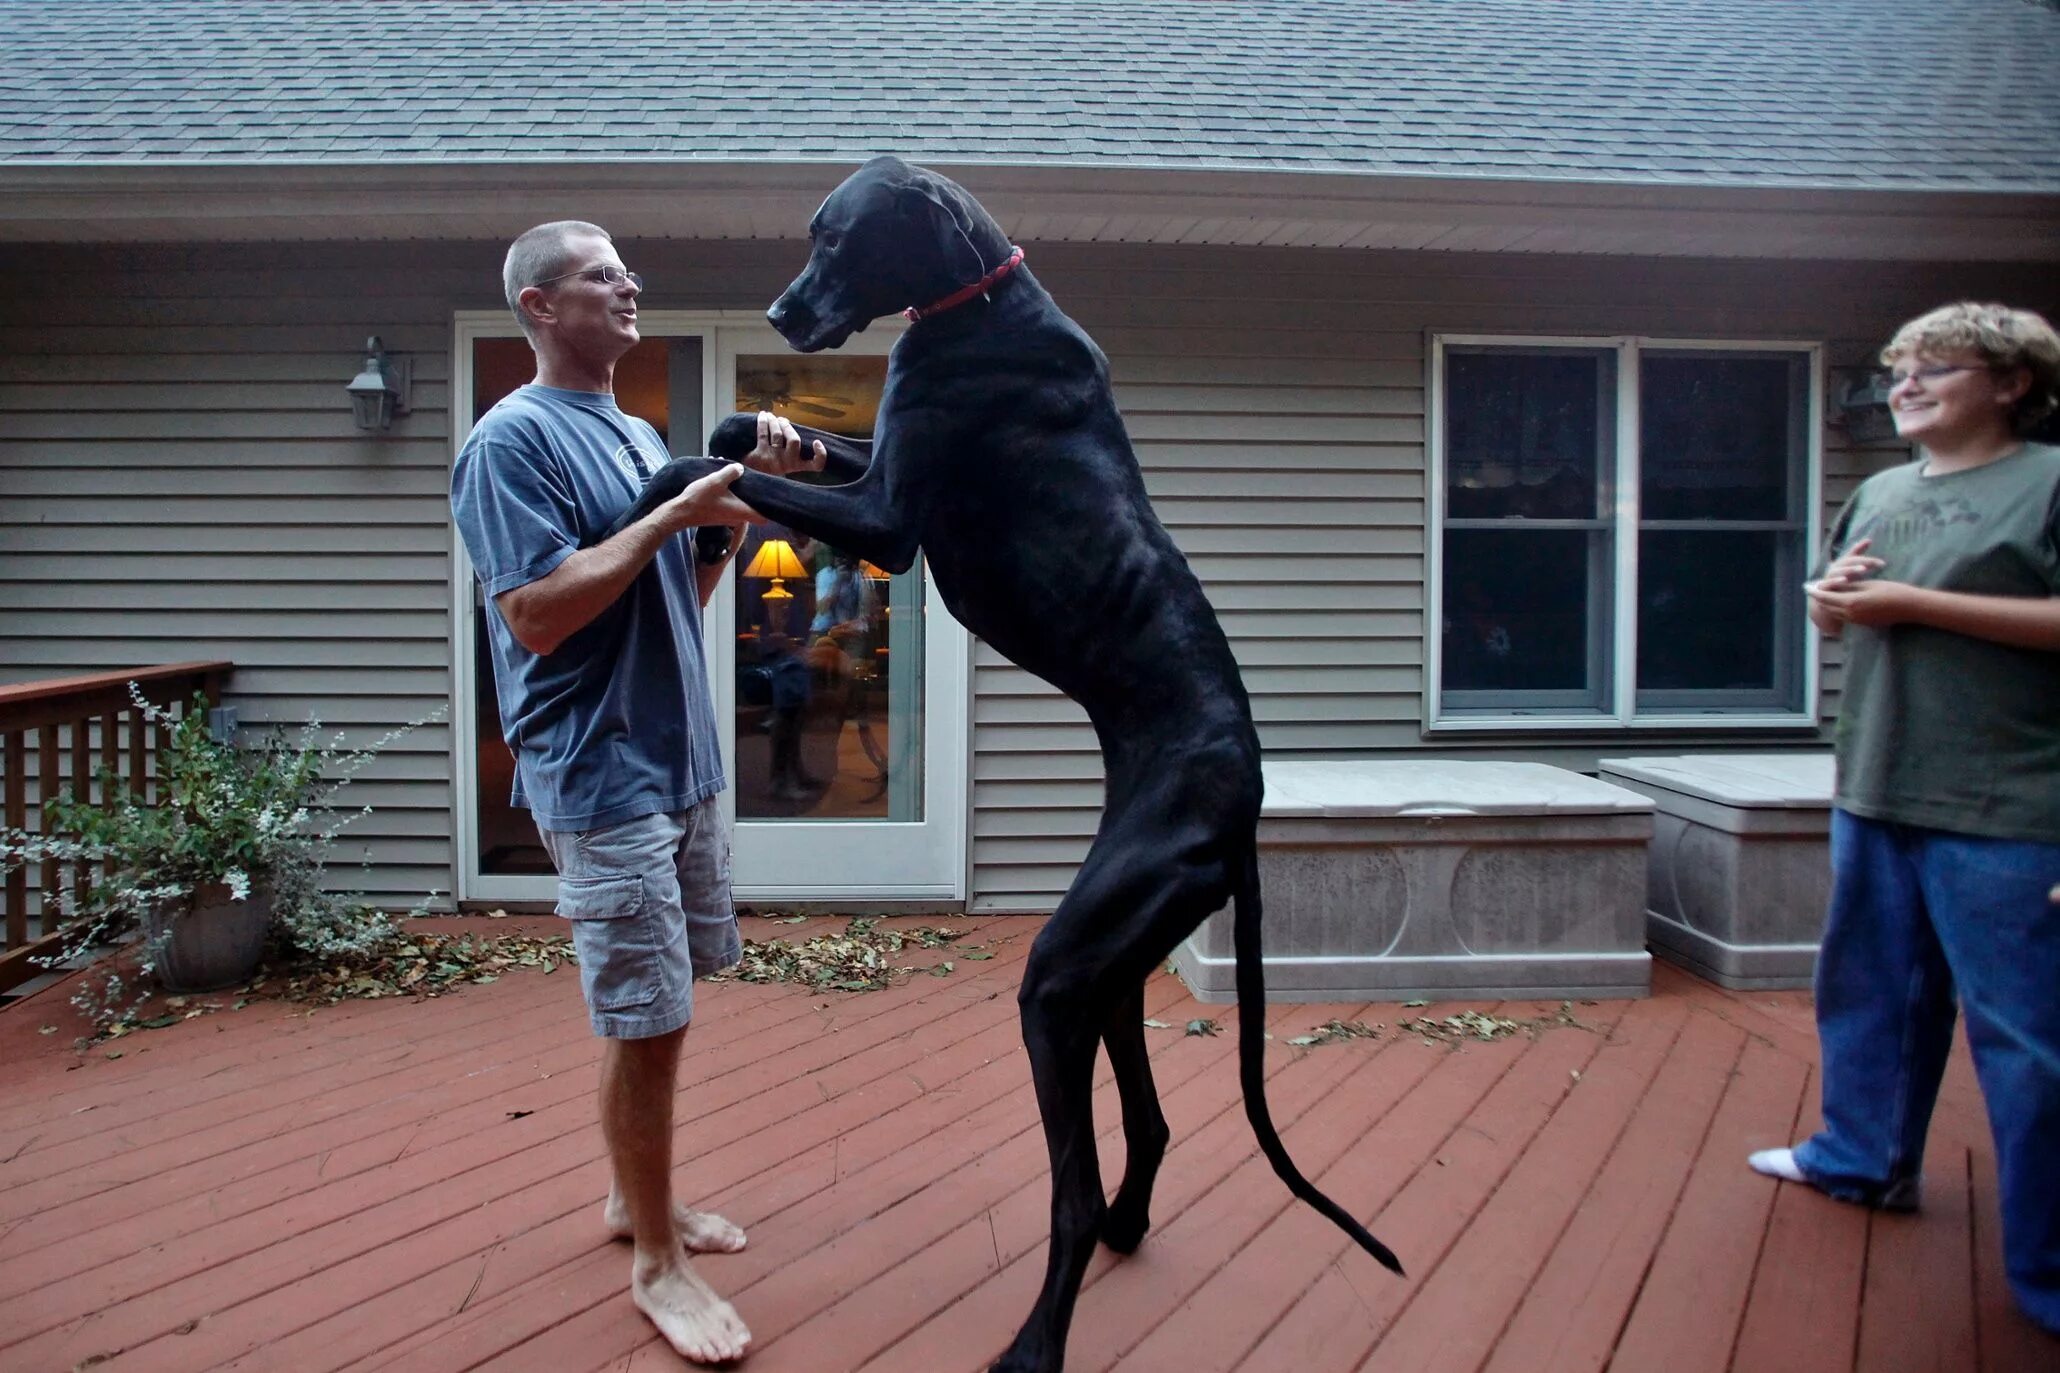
pixel 828 240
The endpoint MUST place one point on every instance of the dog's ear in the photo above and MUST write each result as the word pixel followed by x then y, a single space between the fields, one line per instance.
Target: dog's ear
pixel 949 212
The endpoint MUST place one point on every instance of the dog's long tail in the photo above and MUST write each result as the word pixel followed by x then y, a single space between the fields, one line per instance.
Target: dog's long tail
pixel 1251 1052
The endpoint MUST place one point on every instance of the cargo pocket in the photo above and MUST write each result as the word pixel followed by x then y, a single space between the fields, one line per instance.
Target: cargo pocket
pixel 618 966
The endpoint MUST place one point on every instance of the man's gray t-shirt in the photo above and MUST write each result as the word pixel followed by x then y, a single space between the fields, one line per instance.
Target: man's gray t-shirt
pixel 1944 730
pixel 616 722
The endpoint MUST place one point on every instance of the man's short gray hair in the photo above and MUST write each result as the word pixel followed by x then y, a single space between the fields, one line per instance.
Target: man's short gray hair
pixel 540 254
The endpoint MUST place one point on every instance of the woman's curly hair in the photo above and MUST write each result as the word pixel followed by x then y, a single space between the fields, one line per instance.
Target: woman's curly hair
pixel 2004 338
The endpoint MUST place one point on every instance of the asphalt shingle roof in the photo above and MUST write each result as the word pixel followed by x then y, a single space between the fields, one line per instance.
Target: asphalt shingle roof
pixel 1942 94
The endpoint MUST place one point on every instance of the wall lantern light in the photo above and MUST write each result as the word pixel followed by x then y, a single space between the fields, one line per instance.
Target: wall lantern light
pixel 1862 407
pixel 381 389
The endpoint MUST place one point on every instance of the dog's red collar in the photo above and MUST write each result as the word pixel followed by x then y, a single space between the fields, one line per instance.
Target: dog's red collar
pixel 966 293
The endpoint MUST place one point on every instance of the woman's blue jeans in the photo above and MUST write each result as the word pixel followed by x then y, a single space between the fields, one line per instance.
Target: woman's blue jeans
pixel 1916 916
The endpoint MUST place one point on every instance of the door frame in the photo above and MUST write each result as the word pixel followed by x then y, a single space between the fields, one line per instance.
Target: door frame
pixel 947 665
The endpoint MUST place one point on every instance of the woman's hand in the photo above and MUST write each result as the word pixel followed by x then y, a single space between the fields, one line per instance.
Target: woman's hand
pixel 1850 568
pixel 1849 594
pixel 1874 603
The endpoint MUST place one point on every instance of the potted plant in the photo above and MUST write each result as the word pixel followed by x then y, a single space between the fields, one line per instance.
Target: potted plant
pixel 224 861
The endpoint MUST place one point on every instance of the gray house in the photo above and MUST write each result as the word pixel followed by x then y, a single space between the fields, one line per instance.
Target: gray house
pixel 1497 363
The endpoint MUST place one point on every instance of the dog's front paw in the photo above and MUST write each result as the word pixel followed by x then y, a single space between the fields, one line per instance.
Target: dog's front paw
pixel 734 437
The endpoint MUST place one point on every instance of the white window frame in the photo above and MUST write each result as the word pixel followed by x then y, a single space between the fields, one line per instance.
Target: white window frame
pixel 1620 710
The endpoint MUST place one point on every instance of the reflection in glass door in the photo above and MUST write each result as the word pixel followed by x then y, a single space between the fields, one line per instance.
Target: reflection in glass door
pixel 829 648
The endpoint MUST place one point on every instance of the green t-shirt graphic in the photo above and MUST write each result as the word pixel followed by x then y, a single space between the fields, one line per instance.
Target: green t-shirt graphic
pixel 1935 728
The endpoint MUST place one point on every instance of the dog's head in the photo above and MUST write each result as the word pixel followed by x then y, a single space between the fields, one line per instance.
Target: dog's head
pixel 891 236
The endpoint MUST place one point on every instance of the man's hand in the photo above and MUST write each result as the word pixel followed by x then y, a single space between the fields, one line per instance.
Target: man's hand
pixel 707 501
pixel 780 452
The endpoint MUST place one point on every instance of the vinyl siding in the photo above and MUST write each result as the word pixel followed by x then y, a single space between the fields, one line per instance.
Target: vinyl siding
pixel 179 478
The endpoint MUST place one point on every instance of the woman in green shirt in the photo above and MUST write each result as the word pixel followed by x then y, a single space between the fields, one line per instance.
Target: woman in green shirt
pixel 1944 584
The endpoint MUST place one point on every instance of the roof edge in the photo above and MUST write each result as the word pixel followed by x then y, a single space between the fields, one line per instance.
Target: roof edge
pixel 702 198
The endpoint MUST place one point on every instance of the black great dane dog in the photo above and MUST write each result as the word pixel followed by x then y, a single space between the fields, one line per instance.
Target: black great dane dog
pixel 1000 456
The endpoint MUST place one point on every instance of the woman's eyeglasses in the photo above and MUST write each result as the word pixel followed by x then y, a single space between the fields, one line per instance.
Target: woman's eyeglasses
pixel 1931 373
pixel 610 275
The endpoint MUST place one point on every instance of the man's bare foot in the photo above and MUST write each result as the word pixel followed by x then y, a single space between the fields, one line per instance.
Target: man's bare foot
pixel 702 1232
pixel 700 1326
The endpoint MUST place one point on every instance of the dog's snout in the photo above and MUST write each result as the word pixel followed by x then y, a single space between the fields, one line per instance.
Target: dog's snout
pixel 790 314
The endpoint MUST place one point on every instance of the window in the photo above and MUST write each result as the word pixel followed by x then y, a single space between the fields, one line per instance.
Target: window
pixel 1619 532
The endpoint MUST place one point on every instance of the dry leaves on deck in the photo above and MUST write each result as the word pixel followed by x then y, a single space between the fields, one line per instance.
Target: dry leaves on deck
pixel 420 966
pixel 1475 1025
pixel 861 957
pixel 1336 1032
pixel 1459 1028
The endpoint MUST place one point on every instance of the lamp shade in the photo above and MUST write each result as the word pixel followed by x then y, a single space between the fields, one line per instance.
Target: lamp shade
pixel 775 558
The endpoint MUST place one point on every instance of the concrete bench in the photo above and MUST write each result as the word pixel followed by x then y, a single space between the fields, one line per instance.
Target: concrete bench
pixel 1740 863
pixel 1405 879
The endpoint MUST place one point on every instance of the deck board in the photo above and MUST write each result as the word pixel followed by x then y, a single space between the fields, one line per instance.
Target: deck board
pixel 415 1186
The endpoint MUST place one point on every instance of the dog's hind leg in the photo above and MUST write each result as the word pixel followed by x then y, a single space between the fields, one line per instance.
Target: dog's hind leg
pixel 1145 884
pixel 1060 1037
pixel 1144 1126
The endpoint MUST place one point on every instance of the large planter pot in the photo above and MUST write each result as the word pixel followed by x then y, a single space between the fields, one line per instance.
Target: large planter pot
pixel 211 940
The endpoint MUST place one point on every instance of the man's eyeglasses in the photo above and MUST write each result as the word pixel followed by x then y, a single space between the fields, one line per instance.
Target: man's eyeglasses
pixel 1928 375
pixel 609 275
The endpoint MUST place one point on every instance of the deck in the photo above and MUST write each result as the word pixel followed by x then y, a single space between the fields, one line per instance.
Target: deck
pixel 417 1185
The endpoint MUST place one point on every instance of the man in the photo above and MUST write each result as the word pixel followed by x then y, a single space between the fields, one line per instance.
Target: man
pixel 597 657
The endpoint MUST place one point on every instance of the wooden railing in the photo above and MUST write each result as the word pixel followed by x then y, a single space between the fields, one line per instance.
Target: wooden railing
pixel 55 736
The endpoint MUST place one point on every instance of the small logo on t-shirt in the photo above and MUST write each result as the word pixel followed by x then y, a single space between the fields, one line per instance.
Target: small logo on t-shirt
pixel 633 460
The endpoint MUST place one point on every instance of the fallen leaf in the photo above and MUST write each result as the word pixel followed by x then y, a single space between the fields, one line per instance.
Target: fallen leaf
pixel 1201 1027
pixel 47 1030
pixel 1337 1032
pixel 1416 1003
pixel 1156 1025
pixel 859 958
pixel 517 1115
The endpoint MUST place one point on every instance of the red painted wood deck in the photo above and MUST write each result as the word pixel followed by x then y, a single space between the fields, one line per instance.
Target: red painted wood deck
pixel 417 1186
